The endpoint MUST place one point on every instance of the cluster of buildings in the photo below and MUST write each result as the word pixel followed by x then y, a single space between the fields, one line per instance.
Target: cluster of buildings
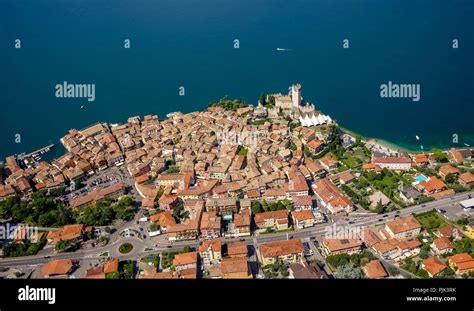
pixel 436 186
pixel 22 182
pixel 209 260
pixel 397 240
pixel 74 234
pixel 190 162
pixel 215 260
pixel 64 268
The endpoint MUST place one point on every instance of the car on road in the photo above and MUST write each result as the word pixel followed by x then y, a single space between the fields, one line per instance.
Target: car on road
pixel 397 212
pixel 424 205
pixel 442 210
pixel 351 222
pixel 169 246
pixel 242 240
pixel 47 257
pixel 385 216
pixel 413 214
pixel 380 219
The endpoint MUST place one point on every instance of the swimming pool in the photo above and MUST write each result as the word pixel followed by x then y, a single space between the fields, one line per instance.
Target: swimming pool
pixel 420 178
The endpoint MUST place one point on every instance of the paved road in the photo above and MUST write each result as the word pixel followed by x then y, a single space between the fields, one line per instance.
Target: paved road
pixel 318 256
pixel 163 246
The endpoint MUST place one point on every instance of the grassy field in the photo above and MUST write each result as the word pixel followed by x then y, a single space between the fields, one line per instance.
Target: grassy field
pixel 431 220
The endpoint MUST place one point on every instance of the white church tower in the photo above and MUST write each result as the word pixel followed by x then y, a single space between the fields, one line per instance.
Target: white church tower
pixel 296 95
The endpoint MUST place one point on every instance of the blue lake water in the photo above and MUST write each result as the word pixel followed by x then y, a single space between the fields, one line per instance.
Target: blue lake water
pixel 191 43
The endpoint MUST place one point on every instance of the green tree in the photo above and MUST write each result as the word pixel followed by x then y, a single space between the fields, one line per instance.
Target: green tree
pixel 348 271
pixel 450 178
pixel 128 270
pixel 439 155
pixel 155 227
pixel 63 245
pixel 379 208
pixel 335 261
pixel 172 169
pixel 422 274
pixel 256 207
pixel 424 251
pixel 358 140
pixel 286 204
pixel 243 152
pixel 271 100
pixel 393 271
pixel 113 275
pixel 180 213
pixel 261 99
pixel 158 196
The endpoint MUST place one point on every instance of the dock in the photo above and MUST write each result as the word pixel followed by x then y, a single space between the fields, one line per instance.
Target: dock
pixel 36 153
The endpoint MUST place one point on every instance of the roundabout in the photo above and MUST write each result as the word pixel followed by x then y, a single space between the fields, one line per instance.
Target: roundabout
pixel 125 248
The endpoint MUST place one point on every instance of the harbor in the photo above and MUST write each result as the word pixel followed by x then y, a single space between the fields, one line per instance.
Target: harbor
pixel 35 156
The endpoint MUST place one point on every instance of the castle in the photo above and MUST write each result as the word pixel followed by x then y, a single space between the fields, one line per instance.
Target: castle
pixel 292 104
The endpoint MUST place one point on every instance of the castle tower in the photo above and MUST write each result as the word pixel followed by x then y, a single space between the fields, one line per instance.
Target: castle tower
pixel 296 95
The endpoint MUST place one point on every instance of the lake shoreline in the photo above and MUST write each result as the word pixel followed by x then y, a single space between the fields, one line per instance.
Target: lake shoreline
pixel 387 144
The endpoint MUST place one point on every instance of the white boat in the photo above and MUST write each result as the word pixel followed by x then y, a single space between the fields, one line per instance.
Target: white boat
pixel 417 137
pixel 82 107
pixel 282 49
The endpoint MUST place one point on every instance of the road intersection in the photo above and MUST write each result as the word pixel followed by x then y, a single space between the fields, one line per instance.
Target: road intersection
pixel 142 247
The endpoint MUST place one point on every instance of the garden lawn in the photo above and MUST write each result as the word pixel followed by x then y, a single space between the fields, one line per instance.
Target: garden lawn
pixel 431 220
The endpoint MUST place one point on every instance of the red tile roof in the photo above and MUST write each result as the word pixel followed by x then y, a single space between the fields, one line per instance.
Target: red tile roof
pixel 281 248
pixel 403 224
pixel 185 259
pixel 57 267
pixel 433 265
pixel 375 270
pixel 280 214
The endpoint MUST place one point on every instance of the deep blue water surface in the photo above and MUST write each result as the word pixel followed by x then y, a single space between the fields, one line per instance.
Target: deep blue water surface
pixel 190 43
